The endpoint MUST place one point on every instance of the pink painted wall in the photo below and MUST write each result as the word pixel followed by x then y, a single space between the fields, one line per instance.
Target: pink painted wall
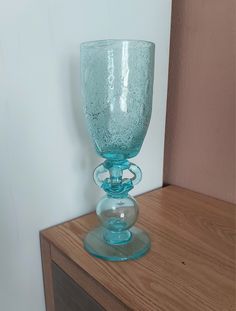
pixel 200 145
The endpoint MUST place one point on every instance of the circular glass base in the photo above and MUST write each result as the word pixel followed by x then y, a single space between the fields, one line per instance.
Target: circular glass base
pixel 137 245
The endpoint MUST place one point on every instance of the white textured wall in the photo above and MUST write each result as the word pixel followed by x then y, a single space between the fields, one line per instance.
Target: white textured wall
pixel 46 160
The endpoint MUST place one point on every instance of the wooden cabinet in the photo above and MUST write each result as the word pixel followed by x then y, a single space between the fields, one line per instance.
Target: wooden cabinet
pixel 190 266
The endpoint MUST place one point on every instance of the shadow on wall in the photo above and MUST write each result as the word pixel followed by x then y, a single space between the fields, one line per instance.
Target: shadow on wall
pixel 88 157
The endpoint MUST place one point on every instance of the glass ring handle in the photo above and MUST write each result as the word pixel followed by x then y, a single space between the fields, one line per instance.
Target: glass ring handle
pixel 133 168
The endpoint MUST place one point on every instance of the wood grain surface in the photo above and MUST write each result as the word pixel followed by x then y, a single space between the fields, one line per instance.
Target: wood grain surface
pixel 191 265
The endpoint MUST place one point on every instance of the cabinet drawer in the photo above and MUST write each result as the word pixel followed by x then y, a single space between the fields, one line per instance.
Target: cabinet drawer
pixel 69 296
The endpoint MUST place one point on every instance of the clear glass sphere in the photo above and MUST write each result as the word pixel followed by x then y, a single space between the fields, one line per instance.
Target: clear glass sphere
pixel 117 214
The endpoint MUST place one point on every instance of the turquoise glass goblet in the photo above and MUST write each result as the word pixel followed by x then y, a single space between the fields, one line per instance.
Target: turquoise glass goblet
pixel 117 87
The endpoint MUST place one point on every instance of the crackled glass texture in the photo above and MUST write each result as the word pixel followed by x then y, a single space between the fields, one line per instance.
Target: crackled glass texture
pixel 117 83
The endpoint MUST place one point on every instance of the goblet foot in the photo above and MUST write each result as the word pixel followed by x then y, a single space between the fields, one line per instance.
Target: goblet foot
pixel 114 246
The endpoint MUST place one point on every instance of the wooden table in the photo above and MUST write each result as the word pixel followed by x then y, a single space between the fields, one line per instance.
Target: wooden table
pixel 191 265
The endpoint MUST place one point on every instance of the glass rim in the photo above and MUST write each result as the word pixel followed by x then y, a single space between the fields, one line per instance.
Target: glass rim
pixel 108 42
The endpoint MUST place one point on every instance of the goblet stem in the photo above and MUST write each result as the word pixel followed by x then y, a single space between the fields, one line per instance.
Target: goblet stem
pixel 117 238
pixel 117 210
pixel 115 185
pixel 115 176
